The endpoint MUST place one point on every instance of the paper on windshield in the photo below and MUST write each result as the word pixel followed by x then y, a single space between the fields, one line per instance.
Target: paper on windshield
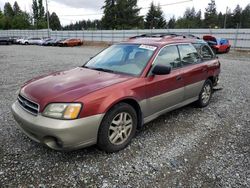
pixel 147 47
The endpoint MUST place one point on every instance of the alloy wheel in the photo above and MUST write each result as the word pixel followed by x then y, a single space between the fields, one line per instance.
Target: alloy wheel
pixel 206 93
pixel 120 128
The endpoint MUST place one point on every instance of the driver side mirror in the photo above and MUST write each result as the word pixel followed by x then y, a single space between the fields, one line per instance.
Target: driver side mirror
pixel 161 70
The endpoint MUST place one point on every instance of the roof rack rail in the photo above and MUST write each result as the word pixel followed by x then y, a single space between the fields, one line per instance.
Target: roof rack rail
pixel 161 35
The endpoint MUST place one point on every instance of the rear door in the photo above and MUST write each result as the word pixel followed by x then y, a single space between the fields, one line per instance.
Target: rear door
pixel 165 91
pixel 195 72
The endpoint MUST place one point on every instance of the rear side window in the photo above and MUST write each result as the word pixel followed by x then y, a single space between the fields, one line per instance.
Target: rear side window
pixel 169 56
pixel 204 51
pixel 189 54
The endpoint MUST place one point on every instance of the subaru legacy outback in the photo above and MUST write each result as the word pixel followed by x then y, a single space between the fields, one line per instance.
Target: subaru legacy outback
pixel 116 92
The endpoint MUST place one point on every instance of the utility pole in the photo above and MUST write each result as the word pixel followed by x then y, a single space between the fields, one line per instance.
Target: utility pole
pixel 47 10
pixel 225 20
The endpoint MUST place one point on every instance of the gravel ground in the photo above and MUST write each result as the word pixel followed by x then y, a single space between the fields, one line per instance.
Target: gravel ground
pixel 189 147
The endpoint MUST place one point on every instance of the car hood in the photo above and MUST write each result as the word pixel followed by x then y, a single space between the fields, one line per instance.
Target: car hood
pixel 67 86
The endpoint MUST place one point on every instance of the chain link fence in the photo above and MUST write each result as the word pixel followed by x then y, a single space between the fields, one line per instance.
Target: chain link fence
pixel 239 38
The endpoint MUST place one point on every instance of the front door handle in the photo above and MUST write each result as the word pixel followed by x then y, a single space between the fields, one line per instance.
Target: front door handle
pixel 204 69
pixel 178 78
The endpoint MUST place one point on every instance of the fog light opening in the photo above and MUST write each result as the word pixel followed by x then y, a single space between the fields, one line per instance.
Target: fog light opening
pixel 53 142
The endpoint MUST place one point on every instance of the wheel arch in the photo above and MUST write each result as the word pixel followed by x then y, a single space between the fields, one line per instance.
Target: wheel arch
pixel 135 104
pixel 212 79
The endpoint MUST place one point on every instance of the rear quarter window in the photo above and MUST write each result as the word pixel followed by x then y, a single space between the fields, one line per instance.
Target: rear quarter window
pixel 204 51
pixel 189 54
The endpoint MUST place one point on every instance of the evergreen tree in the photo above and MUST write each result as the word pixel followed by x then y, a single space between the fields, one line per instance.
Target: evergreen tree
pixel 246 17
pixel 110 14
pixel 121 14
pixel 155 18
pixel 128 15
pixel 221 19
pixel 21 21
pixel 210 15
pixel 1 19
pixel 35 12
pixel 16 9
pixel 54 21
pixel 8 16
pixel 190 19
pixel 237 16
pixel 8 11
pixel 198 19
pixel 230 20
pixel 42 23
pixel 171 23
pixel 39 14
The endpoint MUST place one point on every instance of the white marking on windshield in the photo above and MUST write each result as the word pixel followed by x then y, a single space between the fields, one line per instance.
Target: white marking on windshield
pixel 147 47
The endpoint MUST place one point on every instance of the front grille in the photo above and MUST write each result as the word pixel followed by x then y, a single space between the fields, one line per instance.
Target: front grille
pixel 28 105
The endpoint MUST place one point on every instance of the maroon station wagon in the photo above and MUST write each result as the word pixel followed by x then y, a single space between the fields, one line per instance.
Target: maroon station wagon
pixel 112 95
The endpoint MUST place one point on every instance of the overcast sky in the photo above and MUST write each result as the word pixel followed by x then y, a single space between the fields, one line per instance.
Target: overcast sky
pixel 74 10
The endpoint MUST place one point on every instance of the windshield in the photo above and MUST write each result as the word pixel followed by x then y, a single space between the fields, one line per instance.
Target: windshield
pixel 122 58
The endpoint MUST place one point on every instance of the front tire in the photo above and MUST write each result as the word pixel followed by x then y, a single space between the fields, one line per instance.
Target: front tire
pixel 117 128
pixel 205 94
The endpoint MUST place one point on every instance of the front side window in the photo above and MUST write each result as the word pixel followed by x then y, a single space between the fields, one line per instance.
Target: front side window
pixel 189 54
pixel 169 56
pixel 122 58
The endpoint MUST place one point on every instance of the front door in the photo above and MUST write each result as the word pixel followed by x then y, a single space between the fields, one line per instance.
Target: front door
pixel 165 91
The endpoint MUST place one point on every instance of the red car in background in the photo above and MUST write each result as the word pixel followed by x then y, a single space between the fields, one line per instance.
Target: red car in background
pixel 219 45
pixel 71 42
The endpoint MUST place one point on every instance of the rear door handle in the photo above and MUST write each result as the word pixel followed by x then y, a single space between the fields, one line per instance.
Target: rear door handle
pixel 178 78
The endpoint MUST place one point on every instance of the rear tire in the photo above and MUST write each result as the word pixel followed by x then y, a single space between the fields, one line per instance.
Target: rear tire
pixel 117 128
pixel 205 94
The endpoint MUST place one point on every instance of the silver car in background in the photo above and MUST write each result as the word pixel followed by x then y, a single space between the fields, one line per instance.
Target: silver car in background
pixel 32 40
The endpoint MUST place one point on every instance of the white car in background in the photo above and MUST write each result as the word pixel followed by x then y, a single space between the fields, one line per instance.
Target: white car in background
pixel 32 40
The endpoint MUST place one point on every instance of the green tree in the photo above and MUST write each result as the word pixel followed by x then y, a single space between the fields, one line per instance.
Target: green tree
pixel 121 14
pixel 35 12
pixel 21 21
pixel 246 17
pixel 39 14
pixel 230 20
pixel 190 19
pixel 110 14
pixel 220 21
pixel 54 21
pixel 42 23
pixel 155 18
pixel 1 19
pixel 198 19
pixel 237 16
pixel 16 9
pixel 171 23
pixel 210 15
pixel 8 11
pixel 8 16
pixel 128 15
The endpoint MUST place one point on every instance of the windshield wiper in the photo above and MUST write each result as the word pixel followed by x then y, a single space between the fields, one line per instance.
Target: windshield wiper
pixel 102 69
pixel 84 66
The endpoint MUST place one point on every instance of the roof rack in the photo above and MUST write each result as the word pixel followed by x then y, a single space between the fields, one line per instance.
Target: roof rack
pixel 161 35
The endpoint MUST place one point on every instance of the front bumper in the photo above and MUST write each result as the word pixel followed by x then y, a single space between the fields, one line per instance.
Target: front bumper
pixel 58 134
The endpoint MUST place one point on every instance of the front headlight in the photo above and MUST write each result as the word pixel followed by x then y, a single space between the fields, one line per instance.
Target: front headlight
pixel 63 110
